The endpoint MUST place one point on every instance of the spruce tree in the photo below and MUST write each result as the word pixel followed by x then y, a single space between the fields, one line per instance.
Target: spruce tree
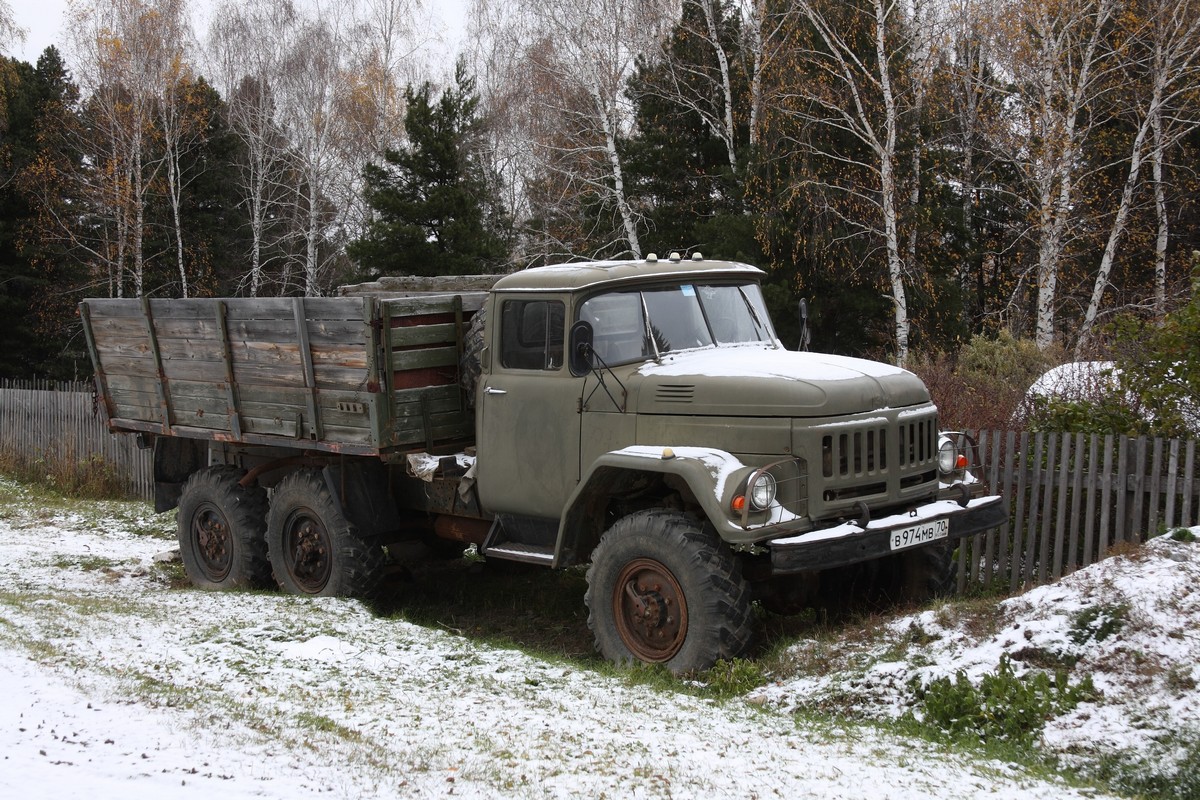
pixel 436 211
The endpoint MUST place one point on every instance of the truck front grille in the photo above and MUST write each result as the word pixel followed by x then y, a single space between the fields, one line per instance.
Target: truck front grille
pixel 883 460
pixel 863 452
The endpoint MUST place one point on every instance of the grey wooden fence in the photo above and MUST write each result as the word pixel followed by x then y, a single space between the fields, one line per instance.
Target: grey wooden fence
pixel 43 423
pixel 1071 497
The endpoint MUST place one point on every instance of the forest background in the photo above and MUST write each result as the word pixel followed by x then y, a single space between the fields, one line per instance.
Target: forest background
pixel 929 174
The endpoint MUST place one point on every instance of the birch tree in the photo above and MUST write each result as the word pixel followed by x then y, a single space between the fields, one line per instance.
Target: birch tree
pixel 180 122
pixel 112 41
pixel 248 44
pixel 10 32
pixel 851 85
pixel 1054 51
pixel 1161 58
pixel 312 88
pixel 570 62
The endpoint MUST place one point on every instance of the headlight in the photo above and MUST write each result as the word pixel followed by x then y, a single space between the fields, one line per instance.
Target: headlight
pixel 761 491
pixel 947 455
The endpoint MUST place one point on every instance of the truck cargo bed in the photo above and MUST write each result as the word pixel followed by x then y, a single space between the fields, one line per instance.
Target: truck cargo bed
pixel 364 375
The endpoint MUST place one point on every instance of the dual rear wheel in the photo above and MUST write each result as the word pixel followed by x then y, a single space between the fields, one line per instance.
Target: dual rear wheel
pixel 228 539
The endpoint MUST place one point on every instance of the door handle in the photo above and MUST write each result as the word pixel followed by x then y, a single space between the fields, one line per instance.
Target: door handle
pixel 490 390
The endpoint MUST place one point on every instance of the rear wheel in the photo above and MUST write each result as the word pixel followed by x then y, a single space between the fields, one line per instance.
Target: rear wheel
pixel 313 548
pixel 221 527
pixel 663 590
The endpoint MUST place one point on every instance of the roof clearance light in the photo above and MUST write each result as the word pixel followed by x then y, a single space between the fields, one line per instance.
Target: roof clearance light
pixel 675 257
pixel 651 258
pixel 697 256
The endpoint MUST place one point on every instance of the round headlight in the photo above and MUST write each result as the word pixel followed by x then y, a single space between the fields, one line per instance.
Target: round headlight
pixel 761 491
pixel 947 456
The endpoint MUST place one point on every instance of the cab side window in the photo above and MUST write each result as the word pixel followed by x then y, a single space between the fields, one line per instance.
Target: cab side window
pixel 531 334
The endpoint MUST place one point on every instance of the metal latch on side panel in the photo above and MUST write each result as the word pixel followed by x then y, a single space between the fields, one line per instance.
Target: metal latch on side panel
pixel 351 408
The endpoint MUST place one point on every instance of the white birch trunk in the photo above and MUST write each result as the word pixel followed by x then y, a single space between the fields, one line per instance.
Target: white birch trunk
pixel 1117 230
pixel 888 189
pixel 628 222
pixel 1157 148
pixel 730 133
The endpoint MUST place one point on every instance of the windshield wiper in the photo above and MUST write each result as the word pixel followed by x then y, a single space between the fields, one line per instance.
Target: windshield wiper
pixel 649 333
pixel 758 323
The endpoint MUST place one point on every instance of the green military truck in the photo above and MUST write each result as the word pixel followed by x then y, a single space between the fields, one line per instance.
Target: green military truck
pixel 638 416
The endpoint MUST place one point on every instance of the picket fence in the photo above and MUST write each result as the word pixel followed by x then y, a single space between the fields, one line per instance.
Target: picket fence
pixel 43 423
pixel 1072 498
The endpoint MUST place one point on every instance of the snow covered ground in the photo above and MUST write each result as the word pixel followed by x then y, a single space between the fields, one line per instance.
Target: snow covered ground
pixel 113 683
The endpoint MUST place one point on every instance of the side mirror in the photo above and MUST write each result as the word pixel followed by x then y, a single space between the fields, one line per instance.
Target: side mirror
pixel 804 333
pixel 581 348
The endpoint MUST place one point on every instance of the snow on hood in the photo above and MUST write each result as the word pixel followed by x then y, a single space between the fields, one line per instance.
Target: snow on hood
pixel 749 380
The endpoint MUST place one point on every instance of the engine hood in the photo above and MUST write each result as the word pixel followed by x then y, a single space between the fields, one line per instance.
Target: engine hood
pixel 753 381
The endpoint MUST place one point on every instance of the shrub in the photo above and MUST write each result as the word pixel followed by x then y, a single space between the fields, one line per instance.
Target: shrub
pixel 1160 365
pixel 981 386
pixel 1003 707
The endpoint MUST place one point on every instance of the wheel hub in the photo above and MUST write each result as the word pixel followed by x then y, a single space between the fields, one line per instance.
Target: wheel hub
pixel 307 545
pixel 213 543
pixel 650 610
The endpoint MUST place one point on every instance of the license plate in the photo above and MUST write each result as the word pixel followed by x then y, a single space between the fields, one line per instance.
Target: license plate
pixel 914 535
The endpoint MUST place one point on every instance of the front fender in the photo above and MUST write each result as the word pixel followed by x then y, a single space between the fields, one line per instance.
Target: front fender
pixel 713 476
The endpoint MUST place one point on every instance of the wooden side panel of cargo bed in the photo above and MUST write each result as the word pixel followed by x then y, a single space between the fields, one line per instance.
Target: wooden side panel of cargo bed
pixel 423 348
pixel 242 369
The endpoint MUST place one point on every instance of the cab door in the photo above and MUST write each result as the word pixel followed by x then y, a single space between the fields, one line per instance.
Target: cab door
pixel 528 431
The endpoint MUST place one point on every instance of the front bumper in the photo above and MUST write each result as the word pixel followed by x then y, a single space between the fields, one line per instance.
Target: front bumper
pixel 852 542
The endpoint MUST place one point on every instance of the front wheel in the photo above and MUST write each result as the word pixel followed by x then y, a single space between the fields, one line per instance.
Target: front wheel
pixel 663 590
pixel 314 549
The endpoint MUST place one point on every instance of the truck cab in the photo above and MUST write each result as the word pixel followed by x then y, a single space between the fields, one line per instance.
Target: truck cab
pixel 630 394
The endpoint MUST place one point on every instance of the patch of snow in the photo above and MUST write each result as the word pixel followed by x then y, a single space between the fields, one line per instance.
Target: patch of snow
pixel 1146 667
pixel 116 684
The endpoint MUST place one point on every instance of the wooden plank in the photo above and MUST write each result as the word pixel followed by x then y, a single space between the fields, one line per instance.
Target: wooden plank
pixel 413 306
pixel 1060 519
pixel 422 335
pixel 1018 556
pixel 1043 561
pixel 284 425
pixel 403 360
pixel 137 347
pixel 1006 549
pixel 1172 484
pixel 1089 525
pixel 99 375
pixel 310 380
pixel 1154 490
pixel 993 473
pixel 163 389
pixel 1189 477
pixel 1104 540
pixel 1077 468
pixel 235 420
pixel 263 308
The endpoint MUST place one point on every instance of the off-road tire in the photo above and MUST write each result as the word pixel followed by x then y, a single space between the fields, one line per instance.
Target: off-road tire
pixel 314 549
pixel 470 366
pixel 221 527
pixel 926 573
pixel 695 604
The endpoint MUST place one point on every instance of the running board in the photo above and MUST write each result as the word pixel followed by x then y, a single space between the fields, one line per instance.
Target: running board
pixel 515 551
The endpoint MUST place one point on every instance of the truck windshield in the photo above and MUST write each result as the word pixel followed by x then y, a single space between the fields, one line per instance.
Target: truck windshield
pixel 640 324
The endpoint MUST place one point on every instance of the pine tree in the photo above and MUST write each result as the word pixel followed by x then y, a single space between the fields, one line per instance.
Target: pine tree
pixel 436 211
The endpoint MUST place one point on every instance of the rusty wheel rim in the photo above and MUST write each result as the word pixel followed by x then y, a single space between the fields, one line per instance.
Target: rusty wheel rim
pixel 212 542
pixel 306 548
pixel 650 610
